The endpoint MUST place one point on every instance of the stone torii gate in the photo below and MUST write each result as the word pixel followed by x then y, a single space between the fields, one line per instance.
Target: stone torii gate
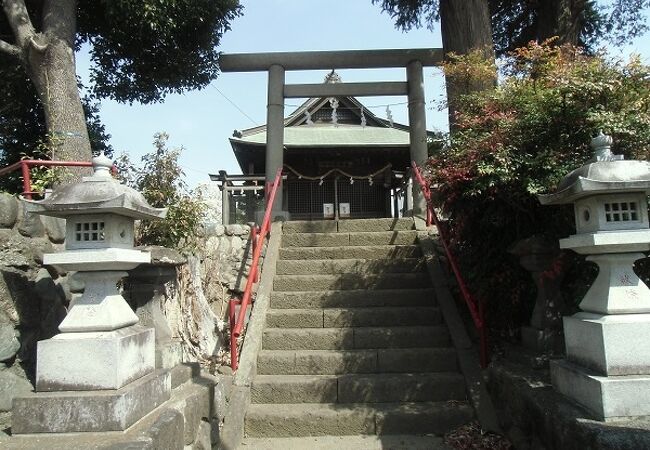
pixel 278 62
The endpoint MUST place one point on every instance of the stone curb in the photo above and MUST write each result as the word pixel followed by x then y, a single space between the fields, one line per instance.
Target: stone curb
pixel 468 359
pixel 232 432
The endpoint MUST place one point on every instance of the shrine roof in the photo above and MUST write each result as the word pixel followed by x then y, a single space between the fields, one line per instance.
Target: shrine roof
pixel 329 135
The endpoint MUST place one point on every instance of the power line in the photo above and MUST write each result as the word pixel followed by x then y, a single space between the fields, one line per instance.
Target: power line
pixel 235 105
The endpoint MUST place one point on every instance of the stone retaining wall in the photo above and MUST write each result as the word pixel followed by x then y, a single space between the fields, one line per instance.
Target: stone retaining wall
pixel 535 417
pixel 226 257
pixel 34 299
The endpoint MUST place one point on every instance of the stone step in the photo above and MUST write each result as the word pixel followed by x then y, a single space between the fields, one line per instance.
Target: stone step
pixel 352 317
pixel 352 298
pixel 333 266
pixel 383 224
pixel 351 281
pixel 352 252
pixel 353 239
pixel 294 420
pixel 362 442
pixel 347 225
pixel 354 338
pixel 324 362
pixel 358 388
pixel 309 226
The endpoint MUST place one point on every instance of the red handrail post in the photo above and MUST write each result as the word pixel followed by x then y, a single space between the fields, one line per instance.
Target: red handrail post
pixel 257 244
pixel 27 181
pixel 484 351
pixel 255 238
pixel 25 166
pixel 233 341
pixel 476 308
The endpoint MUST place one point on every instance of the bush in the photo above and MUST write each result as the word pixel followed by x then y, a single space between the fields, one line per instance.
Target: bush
pixel 519 140
pixel 160 180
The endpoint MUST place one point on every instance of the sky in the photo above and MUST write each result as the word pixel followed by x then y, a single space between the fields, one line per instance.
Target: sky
pixel 202 121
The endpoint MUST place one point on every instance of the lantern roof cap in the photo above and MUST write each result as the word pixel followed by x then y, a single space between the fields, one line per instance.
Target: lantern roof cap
pixel 605 174
pixel 99 193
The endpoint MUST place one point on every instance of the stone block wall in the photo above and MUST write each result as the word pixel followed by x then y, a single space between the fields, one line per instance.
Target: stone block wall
pixel 186 297
pixel 33 299
pixel 226 259
pixel 227 254
pixel 191 293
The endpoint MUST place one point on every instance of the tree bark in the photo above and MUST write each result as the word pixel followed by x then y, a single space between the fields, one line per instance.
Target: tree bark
pixel 465 26
pixel 48 58
pixel 561 18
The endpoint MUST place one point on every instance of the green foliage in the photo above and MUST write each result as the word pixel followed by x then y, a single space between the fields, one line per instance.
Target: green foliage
pixel 144 49
pixel 43 177
pixel 520 140
pixel 588 23
pixel 22 127
pixel 580 22
pixel 21 120
pixel 140 50
pixel 160 180
pixel 409 14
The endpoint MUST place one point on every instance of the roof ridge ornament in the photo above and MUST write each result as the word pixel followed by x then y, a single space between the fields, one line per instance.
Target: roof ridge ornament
pixel 308 119
pixel 334 104
pixel 333 77
pixel 389 116
pixel 102 166
pixel 602 147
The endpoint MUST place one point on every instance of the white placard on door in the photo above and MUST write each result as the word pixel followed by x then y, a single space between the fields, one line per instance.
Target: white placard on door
pixel 328 210
pixel 344 210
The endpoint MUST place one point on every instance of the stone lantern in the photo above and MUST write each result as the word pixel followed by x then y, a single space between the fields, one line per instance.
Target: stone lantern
pixel 101 346
pixel 607 365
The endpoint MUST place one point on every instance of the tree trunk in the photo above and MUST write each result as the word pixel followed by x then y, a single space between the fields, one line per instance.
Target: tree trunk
pixel 48 58
pixel 465 26
pixel 561 18
pixel 53 74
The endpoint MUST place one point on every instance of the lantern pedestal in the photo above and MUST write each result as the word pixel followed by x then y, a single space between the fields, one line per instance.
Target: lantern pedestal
pixel 608 398
pixel 101 307
pixel 95 360
pixel 607 367
pixel 90 411
pixel 99 373
pixel 540 256
pixel 609 344
pixel 617 289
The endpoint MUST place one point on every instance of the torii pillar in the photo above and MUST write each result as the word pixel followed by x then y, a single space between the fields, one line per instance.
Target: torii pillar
pixel 275 133
pixel 277 63
pixel 417 128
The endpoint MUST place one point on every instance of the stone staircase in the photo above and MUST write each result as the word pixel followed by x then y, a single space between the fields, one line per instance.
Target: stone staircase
pixel 354 342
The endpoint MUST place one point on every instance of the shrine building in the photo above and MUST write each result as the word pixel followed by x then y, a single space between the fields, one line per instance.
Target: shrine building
pixel 340 161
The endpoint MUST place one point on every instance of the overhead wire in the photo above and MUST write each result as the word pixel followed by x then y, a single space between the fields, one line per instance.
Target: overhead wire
pixel 235 105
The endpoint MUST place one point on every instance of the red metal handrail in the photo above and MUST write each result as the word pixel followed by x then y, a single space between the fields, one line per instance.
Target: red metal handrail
pixel 257 243
pixel 26 164
pixel 476 307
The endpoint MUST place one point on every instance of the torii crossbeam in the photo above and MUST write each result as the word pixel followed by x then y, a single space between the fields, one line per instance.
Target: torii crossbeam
pixel 277 63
